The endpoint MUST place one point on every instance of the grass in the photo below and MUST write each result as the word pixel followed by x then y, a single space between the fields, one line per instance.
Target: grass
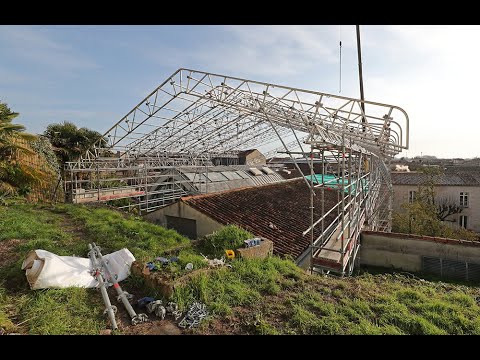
pixel 242 286
pixel 230 237
pixel 115 230
pixel 271 296
pixel 64 311
pixel 5 321
pixel 67 230
pixel 281 299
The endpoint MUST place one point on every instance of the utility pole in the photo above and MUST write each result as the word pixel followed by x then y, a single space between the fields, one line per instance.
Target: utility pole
pixel 360 75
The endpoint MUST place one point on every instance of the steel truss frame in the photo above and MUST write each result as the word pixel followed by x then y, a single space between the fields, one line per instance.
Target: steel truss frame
pixel 195 116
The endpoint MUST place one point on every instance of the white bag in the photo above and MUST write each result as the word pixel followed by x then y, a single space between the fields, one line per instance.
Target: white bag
pixel 47 270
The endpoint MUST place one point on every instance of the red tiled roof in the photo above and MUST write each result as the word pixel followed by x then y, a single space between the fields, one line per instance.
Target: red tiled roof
pixel 286 205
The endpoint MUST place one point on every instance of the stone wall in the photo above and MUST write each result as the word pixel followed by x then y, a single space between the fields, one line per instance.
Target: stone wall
pixel 404 252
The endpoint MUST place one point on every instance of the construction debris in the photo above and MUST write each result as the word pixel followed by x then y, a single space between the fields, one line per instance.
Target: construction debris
pixel 112 277
pixel 252 242
pixel 47 270
pixel 195 314
pixel 157 308
pixel 144 301
pixel 98 273
pixel 216 262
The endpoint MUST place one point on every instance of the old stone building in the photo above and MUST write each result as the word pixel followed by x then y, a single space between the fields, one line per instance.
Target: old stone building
pixel 460 187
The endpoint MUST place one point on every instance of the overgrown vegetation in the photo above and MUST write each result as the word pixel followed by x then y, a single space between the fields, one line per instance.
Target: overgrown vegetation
pixel 16 176
pixel 67 230
pixel 245 285
pixel 229 237
pixel 425 215
pixel 271 296
pixel 70 142
pixel 287 301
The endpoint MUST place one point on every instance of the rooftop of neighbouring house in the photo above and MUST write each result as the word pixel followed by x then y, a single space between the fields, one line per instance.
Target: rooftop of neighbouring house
pixel 220 178
pixel 279 212
pixel 458 178
pixel 248 152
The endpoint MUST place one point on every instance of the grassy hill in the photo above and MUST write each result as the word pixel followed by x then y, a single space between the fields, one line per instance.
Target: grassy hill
pixel 270 296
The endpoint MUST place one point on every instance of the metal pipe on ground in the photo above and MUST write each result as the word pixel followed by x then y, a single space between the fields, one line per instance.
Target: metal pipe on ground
pixel 136 319
pixel 109 308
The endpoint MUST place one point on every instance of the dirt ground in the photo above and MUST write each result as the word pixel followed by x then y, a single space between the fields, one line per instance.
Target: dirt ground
pixel 155 326
pixel 7 252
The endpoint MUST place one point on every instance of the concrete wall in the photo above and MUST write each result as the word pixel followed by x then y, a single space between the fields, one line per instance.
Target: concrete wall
pixel 205 225
pixel 403 251
pixel 400 196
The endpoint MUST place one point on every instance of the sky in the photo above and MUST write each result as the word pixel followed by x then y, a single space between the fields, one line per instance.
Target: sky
pixel 94 75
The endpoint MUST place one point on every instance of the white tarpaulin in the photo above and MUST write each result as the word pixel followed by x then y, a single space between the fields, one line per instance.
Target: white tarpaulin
pixel 47 270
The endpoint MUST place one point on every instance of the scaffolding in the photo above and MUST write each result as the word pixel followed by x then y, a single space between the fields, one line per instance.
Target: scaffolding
pixel 194 117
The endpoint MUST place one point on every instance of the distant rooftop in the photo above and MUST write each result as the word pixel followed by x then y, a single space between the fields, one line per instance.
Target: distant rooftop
pixel 450 178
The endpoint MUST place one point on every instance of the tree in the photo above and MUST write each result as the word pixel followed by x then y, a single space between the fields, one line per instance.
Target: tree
pixel 446 207
pixel 16 177
pixel 10 133
pixel 70 142
pixel 443 207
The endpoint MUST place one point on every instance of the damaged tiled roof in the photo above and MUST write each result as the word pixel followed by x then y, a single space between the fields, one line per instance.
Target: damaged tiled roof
pixel 279 212
pixel 448 179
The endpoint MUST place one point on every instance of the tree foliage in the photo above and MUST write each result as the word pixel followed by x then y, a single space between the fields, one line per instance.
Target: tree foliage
pixel 16 177
pixel 70 142
pixel 10 133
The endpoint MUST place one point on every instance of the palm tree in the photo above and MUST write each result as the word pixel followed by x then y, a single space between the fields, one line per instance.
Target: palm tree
pixel 11 134
pixel 69 141
pixel 15 176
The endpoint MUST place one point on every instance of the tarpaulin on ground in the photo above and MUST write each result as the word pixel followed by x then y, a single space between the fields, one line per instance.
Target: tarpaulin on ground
pixel 47 270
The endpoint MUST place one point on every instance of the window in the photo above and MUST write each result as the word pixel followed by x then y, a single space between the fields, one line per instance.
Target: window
pixel 255 171
pixel 267 170
pixel 216 176
pixel 464 199
pixel 463 221
pixel 184 226
pixel 231 175
pixel 412 195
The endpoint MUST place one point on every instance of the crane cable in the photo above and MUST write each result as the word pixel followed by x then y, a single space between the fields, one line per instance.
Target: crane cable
pixel 340 43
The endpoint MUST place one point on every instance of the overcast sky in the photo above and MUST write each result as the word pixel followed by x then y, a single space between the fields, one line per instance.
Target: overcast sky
pixel 94 75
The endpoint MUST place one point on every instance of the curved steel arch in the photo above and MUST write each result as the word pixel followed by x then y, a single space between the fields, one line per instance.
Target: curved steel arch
pixel 197 112
pixel 194 116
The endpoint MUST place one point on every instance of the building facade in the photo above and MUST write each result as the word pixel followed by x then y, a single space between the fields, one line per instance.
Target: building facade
pixel 461 188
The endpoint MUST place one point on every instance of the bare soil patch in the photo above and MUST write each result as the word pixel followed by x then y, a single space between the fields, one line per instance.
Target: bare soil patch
pixel 8 255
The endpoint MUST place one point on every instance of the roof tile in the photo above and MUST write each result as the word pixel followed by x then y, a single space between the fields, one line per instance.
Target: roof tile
pixel 286 205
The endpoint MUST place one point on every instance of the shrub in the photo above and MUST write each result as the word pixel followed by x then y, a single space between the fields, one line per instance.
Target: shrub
pixel 229 237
